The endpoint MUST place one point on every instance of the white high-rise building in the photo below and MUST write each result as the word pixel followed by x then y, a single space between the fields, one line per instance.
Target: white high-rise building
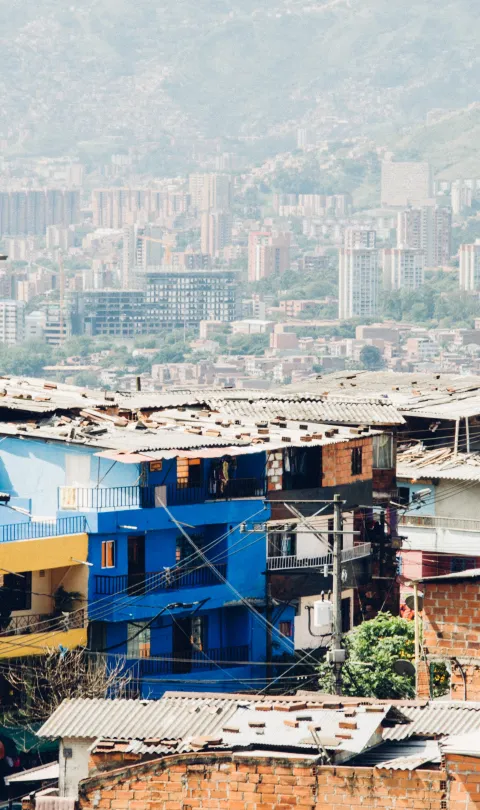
pixel 403 268
pixel 461 197
pixel 428 228
pixel 470 267
pixel 358 283
pixel 405 183
pixel 357 238
pixel 216 232
pixel 12 322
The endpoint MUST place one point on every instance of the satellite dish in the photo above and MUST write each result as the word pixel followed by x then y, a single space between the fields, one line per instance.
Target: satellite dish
pixel 410 601
pixel 404 667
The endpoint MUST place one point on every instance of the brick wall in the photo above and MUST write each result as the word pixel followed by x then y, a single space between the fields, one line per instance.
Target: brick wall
pixel 337 462
pixel 451 632
pixel 463 782
pixel 229 782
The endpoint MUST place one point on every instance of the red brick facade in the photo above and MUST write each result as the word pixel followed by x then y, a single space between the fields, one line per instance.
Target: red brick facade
pixel 463 782
pixel 451 633
pixel 229 782
pixel 337 462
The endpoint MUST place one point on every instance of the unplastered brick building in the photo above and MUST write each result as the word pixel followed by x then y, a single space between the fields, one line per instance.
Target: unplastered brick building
pixel 249 781
pixel 451 633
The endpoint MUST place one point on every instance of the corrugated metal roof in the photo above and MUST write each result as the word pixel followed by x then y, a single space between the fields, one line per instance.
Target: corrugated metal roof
pixel 183 715
pixel 417 462
pixel 367 411
pixel 445 396
pixel 291 729
pixel 137 719
pixel 41 773
pixel 405 756
pixel 457 576
pixel 437 718
pixel 464 744
pixel 463 472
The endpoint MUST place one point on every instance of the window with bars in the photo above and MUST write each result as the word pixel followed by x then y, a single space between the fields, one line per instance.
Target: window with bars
pixel 184 549
pixel 138 640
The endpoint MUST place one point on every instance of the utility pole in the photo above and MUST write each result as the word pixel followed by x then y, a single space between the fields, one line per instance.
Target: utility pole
pixel 337 653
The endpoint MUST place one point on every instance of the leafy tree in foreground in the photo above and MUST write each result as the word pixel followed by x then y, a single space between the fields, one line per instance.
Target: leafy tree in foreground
pixel 372 649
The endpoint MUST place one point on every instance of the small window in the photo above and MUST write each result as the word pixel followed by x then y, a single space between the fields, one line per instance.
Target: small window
pixel 357 461
pixel 404 496
pixel 198 638
pixel 108 554
pixel 331 535
pixel 459 564
pixel 383 452
pixel 285 629
pixel 282 544
pixel 138 640
pixel 189 472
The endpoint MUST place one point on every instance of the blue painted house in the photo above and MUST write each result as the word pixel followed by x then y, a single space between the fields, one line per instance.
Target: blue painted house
pixel 155 518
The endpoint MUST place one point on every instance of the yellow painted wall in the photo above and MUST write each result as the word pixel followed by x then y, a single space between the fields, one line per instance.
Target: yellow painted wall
pixel 39 643
pixel 73 578
pixel 45 553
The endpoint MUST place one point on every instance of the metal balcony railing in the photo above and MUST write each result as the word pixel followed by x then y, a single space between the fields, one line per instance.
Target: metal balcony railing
pixel 293 561
pixel 182 493
pixel 43 623
pixel 96 498
pixel 77 524
pixel 193 660
pixel 176 494
pixel 434 522
pixel 166 580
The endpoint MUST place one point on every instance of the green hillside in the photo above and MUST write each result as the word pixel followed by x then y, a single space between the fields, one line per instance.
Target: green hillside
pixel 134 70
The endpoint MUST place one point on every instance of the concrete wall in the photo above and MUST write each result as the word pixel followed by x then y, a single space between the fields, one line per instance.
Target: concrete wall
pixel 73 761
pixel 35 469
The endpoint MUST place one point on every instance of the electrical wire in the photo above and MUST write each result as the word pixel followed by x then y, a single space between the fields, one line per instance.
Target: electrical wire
pixel 239 596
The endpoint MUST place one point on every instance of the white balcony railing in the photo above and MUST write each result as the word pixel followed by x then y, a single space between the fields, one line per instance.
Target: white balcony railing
pixel 434 522
pixel 293 561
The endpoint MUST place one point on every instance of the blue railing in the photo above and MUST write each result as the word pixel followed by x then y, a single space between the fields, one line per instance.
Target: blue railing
pixel 76 524
pixel 166 580
pixel 193 660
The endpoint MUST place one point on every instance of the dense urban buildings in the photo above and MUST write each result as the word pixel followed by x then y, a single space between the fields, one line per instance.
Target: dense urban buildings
pixel 32 212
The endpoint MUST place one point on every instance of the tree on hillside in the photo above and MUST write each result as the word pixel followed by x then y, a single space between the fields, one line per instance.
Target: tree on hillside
pixel 371 358
pixel 372 649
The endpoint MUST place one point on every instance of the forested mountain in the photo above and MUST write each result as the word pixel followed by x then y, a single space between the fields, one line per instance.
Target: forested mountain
pixel 91 69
